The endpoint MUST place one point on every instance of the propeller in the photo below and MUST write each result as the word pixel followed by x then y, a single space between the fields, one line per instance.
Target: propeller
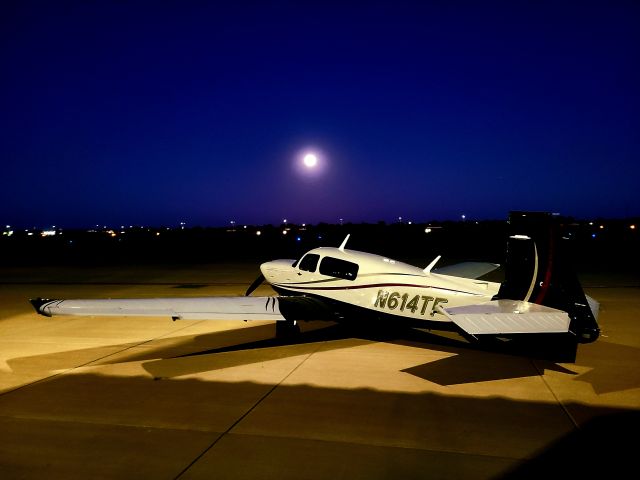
pixel 256 283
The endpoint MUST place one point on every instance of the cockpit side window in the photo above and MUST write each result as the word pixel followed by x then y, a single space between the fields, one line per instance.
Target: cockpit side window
pixel 334 267
pixel 309 262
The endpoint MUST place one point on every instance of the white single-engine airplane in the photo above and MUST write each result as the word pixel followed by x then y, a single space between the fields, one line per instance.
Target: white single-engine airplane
pixel 539 298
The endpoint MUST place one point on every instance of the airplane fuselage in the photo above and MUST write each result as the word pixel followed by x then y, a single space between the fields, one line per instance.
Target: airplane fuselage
pixel 375 283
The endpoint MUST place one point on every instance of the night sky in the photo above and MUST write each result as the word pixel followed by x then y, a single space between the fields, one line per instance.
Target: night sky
pixel 154 113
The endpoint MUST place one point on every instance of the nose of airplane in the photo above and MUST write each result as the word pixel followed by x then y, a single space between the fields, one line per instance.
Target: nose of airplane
pixel 266 270
pixel 276 270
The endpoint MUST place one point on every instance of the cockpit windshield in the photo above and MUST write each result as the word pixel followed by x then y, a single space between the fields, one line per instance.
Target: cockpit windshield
pixel 309 262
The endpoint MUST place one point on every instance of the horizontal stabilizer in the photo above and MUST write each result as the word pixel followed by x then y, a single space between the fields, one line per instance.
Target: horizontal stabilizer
pixel 507 317
pixel 594 305
pixel 203 308
pixel 467 269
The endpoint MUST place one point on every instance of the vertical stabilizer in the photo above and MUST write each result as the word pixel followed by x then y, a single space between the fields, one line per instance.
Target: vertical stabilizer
pixel 539 269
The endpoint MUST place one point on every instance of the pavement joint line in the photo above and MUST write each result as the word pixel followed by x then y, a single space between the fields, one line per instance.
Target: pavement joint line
pixel 115 424
pixel 245 414
pixel 383 445
pixel 562 405
pixel 49 377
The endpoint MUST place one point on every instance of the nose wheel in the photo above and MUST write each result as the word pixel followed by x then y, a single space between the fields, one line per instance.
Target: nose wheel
pixel 287 328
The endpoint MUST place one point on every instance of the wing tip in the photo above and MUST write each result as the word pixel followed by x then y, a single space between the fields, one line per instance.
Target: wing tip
pixel 39 303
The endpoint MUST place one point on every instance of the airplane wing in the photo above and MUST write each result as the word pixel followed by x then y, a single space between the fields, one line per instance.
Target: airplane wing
pixel 506 317
pixel 202 308
pixel 467 269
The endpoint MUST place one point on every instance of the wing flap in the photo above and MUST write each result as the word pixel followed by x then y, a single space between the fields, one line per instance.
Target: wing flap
pixel 201 308
pixel 508 316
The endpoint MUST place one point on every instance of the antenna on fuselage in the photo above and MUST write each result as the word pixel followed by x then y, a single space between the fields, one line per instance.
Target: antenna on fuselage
pixel 344 243
pixel 431 265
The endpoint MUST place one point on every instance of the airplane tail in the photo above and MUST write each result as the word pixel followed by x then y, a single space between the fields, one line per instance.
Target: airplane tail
pixel 538 269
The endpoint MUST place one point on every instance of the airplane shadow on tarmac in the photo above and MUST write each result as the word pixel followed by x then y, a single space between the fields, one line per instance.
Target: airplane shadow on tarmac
pixel 468 365
pixel 178 356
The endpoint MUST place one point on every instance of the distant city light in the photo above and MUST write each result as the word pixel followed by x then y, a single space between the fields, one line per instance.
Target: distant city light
pixel 601 227
pixel 298 239
pixel 464 217
pixel 632 227
pixel 284 232
pixel 48 233
pixel 427 230
pixel 258 233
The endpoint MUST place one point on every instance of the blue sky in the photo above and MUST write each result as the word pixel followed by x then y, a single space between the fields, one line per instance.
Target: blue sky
pixel 159 112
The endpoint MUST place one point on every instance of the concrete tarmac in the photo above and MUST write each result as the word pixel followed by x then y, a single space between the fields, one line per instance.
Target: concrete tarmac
pixel 101 397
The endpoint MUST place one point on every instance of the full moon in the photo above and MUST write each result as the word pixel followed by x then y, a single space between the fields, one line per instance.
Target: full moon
pixel 310 160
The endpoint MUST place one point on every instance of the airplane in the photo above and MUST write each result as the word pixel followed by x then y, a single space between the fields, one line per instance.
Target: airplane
pixel 540 301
